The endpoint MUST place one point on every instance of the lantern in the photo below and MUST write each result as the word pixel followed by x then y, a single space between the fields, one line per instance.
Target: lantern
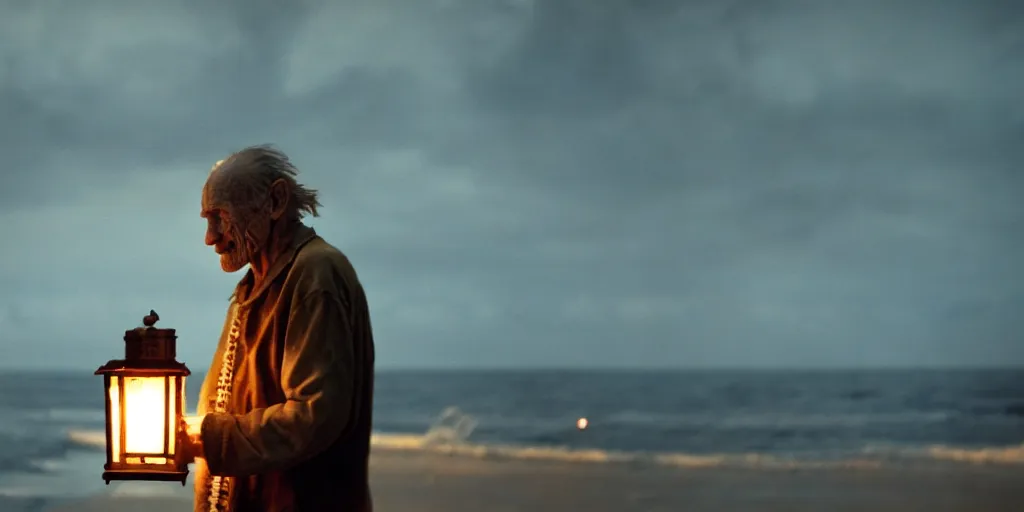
pixel 145 397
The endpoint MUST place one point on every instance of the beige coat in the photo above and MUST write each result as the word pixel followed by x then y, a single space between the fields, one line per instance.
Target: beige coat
pixel 297 435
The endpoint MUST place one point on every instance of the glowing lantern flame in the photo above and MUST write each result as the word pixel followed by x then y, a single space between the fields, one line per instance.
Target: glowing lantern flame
pixel 145 415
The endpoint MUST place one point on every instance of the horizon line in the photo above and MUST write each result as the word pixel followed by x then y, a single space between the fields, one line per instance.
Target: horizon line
pixel 609 368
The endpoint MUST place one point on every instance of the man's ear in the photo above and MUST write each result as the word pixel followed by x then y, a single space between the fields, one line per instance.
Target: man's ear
pixel 280 193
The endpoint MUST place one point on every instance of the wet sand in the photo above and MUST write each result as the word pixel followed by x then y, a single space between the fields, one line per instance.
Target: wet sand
pixel 423 482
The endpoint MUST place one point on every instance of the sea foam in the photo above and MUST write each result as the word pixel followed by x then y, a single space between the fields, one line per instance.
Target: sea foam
pixel 871 458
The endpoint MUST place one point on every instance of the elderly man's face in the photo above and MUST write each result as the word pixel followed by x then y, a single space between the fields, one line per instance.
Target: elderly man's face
pixel 236 233
pixel 223 234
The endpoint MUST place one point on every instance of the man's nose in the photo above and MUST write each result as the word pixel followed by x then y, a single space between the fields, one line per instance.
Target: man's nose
pixel 212 236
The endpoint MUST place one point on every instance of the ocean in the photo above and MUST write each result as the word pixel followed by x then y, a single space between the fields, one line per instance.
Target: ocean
pixel 51 423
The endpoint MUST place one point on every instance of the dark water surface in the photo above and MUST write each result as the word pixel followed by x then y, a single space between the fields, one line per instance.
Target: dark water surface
pixel 975 416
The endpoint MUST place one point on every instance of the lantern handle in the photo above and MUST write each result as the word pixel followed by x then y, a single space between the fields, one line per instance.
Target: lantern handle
pixel 150 319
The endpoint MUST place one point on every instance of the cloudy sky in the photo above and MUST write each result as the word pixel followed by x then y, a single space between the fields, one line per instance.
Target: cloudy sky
pixel 533 183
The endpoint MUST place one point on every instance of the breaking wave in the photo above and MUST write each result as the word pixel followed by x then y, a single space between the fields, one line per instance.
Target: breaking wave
pixel 450 435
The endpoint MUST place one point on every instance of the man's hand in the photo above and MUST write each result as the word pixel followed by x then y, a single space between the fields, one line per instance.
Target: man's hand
pixel 192 426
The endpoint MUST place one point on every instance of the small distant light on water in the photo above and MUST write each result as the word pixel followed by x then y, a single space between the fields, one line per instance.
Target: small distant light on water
pixel 582 423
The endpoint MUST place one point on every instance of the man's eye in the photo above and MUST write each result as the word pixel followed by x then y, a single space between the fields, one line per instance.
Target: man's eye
pixel 216 220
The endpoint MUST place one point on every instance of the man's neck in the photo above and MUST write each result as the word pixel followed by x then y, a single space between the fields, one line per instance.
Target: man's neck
pixel 279 241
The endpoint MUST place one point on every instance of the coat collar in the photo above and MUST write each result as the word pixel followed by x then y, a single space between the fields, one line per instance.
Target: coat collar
pixel 303 235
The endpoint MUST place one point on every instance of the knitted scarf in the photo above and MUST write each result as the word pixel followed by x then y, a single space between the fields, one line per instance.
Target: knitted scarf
pixel 220 487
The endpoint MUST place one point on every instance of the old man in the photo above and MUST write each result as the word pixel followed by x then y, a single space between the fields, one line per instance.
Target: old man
pixel 284 414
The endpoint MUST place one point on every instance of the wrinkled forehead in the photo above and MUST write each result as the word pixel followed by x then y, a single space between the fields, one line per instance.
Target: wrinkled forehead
pixel 214 190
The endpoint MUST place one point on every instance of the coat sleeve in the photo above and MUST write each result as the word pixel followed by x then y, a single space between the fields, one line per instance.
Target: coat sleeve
pixel 318 383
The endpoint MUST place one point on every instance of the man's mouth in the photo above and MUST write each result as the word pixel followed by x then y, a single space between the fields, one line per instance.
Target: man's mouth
pixel 226 248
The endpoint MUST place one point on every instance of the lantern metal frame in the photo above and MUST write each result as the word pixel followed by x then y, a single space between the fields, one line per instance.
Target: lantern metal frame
pixel 149 353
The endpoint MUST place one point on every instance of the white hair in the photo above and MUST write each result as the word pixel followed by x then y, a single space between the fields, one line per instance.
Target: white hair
pixel 249 173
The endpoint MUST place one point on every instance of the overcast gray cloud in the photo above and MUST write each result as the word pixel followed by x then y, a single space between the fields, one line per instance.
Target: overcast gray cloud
pixel 531 182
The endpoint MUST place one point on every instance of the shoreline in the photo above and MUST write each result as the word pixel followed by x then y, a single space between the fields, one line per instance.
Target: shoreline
pixel 433 482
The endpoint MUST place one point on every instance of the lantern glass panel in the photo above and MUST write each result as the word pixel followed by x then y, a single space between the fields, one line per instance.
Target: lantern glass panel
pixel 145 413
pixel 114 395
pixel 175 392
pixel 171 400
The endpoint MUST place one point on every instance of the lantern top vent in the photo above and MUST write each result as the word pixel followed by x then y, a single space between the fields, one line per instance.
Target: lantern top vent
pixel 149 342
pixel 148 348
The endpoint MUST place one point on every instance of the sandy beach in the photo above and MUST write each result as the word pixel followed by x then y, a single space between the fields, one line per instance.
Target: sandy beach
pixel 426 482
